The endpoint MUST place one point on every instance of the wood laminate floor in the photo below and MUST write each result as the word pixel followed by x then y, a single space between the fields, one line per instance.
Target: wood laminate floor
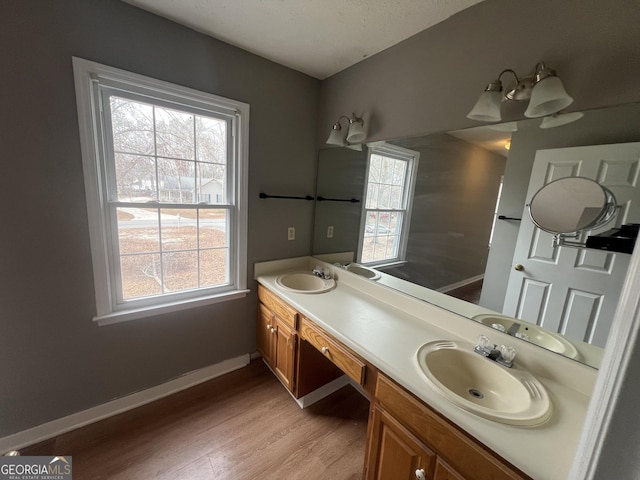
pixel 243 425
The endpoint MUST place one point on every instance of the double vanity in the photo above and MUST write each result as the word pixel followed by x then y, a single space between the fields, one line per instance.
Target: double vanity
pixel 445 403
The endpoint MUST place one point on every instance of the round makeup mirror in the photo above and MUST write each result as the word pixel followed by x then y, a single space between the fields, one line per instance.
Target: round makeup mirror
pixel 571 205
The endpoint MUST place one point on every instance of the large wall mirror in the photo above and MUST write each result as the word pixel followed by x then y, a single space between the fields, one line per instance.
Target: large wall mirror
pixel 472 247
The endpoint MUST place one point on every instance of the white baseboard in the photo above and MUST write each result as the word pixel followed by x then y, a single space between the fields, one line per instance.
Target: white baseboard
pixel 62 425
pixel 460 284
pixel 323 391
pixel 320 392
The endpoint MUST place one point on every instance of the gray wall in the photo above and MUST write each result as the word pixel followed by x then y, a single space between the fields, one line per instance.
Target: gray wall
pixel 455 196
pixel 55 361
pixel 429 82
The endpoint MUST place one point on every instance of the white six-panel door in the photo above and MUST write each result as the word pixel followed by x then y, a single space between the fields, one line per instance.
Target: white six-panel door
pixel 574 291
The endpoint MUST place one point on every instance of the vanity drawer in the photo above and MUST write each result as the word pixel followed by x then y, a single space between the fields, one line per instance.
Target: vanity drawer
pixel 287 314
pixel 469 458
pixel 333 350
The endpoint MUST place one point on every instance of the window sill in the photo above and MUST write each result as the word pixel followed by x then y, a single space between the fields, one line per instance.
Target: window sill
pixel 382 266
pixel 137 313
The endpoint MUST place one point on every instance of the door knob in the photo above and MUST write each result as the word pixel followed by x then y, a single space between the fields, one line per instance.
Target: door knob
pixel 519 267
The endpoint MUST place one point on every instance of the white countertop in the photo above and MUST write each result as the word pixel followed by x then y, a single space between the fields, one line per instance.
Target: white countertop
pixel 387 328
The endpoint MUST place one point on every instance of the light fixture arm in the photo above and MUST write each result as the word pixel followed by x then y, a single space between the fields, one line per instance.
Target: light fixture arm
pixel 337 125
pixel 515 75
pixel 541 72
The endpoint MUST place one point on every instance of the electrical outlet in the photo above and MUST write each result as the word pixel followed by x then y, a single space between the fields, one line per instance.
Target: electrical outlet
pixel 330 231
pixel 291 233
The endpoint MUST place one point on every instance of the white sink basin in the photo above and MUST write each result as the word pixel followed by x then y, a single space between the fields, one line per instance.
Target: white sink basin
pixel 483 387
pixel 363 271
pixel 534 334
pixel 304 282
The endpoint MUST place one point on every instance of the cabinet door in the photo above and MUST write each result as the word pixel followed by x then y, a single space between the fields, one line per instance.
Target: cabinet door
pixel 285 342
pixel 445 472
pixel 265 333
pixel 393 453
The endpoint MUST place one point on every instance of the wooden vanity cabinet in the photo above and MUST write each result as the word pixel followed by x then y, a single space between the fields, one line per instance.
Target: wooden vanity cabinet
pixel 457 455
pixel 277 338
pixel 299 366
pixel 445 472
pixel 406 439
pixel 395 453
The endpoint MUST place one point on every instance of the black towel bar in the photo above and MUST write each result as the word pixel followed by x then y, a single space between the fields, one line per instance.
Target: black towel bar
pixel 287 197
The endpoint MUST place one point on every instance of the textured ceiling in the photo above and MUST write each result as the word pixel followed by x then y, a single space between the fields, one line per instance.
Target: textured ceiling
pixel 317 37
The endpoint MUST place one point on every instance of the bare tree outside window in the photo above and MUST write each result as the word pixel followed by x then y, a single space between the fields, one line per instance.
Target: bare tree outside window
pixel 170 173
pixel 390 178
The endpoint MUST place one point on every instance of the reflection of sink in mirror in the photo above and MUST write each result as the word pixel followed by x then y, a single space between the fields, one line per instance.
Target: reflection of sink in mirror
pixel 363 271
pixel 481 386
pixel 531 333
pixel 304 282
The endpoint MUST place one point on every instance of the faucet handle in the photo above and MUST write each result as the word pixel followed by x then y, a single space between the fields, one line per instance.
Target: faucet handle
pixel 484 343
pixel 507 352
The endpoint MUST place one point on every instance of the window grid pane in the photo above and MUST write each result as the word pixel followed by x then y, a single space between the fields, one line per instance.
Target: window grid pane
pixel 165 155
pixel 176 158
pixel 382 235
pixel 167 250
pixel 385 207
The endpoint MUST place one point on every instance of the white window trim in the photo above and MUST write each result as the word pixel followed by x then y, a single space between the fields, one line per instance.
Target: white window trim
pixel 413 158
pixel 86 74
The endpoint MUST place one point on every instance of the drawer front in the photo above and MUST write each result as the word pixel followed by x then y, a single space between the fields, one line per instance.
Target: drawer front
pixel 469 458
pixel 334 351
pixel 287 314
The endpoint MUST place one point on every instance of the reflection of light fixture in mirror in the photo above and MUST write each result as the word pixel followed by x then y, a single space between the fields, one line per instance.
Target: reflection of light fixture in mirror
pixel 543 88
pixel 559 119
pixel 354 135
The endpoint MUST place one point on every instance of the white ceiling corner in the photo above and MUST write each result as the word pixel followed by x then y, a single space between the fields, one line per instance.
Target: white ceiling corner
pixel 316 37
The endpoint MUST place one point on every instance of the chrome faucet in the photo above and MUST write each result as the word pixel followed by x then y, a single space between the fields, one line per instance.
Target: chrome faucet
pixel 324 273
pixel 513 329
pixel 503 354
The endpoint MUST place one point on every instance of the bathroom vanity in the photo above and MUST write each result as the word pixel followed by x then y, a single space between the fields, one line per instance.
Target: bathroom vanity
pixel 372 335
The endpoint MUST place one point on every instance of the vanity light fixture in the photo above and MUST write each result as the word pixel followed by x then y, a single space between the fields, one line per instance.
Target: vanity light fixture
pixel 543 89
pixel 354 135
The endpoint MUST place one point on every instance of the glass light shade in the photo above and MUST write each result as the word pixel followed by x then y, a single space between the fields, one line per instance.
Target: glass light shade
pixel 548 96
pixel 487 108
pixel 336 137
pixel 558 120
pixel 356 132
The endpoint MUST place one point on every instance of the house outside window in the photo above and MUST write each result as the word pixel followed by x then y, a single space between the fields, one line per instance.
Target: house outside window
pixel 391 172
pixel 165 177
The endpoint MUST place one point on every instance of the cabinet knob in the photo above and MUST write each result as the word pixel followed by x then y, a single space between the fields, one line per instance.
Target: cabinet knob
pixel 273 330
pixel 420 474
pixel 325 350
pixel 268 327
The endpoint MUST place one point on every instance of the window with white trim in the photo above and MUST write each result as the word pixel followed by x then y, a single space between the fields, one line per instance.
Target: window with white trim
pixel 384 230
pixel 165 177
